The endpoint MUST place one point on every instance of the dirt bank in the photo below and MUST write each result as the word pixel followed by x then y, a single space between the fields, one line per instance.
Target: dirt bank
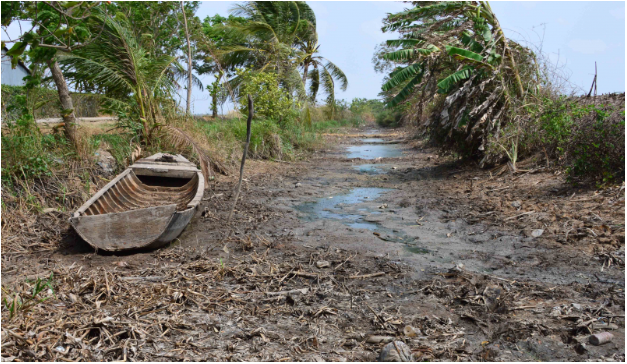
pixel 326 253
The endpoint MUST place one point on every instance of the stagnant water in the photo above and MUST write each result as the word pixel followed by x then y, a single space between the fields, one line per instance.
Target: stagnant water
pixel 331 208
pixel 373 140
pixel 374 151
pixel 372 168
pixel 334 207
pixel 327 208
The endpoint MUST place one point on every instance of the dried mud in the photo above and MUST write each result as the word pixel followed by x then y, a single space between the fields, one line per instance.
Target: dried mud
pixel 415 240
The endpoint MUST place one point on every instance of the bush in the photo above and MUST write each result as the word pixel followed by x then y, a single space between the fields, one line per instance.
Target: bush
pixel 585 135
pixel 389 118
pixel 596 148
pixel 270 140
pixel 44 103
pixel 24 149
pixel 270 101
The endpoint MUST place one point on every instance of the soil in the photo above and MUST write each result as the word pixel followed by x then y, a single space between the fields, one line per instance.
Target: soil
pixel 333 257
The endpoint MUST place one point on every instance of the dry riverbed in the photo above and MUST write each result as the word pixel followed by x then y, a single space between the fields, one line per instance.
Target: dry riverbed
pixel 374 239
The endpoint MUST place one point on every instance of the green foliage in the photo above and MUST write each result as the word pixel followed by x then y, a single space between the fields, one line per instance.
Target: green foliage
pixel 268 40
pixel 25 150
pixel 597 146
pixel 555 121
pixel 456 50
pixel 137 83
pixel 270 101
pixel 587 138
pixel 366 109
pixel 119 145
pixel 18 304
pixel 158 24
pixel 268 139
pixel 389 118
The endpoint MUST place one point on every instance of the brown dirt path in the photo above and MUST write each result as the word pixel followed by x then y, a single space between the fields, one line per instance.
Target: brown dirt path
pixel 320 261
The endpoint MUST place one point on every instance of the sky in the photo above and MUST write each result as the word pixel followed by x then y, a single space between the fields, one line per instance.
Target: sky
pixel 572 35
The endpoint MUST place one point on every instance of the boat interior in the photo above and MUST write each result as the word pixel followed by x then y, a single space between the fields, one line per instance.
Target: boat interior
pixel 139 191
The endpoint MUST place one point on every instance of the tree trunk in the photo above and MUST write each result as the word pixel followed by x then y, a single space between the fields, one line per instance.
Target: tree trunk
pixel 214 105
pixel 69 117
pixel 305 74
pixel 189 64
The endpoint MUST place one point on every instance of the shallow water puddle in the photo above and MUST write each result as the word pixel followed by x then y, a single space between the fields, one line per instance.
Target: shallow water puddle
pixel 323 207
pixel 330 208
pixel 417 250
pixel 372 168
pixel 372 140
pixel 374 151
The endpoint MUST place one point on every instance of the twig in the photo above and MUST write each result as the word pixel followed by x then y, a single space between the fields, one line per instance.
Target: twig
pixel 367 275
pixel 305 274
pixel 339 265
pixel 498 189
pixel 241 168
pixel 522 307
pixel 523 214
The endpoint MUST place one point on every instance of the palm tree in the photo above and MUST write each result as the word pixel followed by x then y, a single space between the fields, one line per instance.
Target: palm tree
pixel 267 39
pixel 128 75
pixel 136 83
pixel 322 70
pixel 281 37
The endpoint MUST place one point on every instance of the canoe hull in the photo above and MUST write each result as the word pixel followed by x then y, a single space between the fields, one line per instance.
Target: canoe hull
pixel 122 215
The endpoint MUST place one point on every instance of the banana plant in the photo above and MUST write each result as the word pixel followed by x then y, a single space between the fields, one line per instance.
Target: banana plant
pixel 460 48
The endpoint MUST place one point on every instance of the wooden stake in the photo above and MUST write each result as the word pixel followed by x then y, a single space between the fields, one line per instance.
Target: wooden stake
pixel 241 168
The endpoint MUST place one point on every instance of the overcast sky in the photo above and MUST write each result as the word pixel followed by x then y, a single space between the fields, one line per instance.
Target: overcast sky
pixel 575 34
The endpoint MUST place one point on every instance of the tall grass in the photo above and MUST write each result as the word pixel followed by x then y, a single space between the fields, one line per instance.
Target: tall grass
pixel 271 140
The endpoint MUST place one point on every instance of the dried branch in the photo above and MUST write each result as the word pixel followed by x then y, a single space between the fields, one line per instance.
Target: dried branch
pixel 241 168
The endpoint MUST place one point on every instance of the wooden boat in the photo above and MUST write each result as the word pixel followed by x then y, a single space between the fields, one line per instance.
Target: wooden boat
pixel 146 206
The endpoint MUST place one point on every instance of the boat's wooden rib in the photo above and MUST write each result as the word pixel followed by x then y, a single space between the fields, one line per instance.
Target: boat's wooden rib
pixel 147 205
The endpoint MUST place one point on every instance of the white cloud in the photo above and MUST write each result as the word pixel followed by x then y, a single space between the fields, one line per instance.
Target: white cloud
pixel 588 46
pixel 619 13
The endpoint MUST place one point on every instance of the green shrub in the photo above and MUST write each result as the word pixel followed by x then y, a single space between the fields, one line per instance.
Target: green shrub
pixel 25 151
pixel 555 125
pixel 597 146
pixel 585 135
pixel 389 118
pixel 270 101
pixel 367 110
pixel 269 140
pixel 119 145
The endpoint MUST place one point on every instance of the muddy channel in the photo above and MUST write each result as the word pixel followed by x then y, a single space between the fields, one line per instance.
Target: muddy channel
pixel 374 239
